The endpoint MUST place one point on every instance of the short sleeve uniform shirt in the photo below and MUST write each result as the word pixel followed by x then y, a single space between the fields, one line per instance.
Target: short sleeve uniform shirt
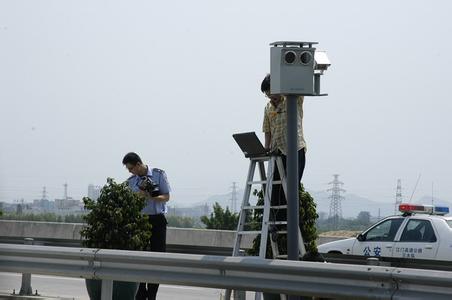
pixel 158 176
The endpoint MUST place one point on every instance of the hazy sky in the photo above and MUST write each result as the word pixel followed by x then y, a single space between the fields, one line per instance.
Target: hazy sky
pixel 84 82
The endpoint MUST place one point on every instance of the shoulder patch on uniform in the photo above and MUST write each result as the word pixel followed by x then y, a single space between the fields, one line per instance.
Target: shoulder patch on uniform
pixel 158 170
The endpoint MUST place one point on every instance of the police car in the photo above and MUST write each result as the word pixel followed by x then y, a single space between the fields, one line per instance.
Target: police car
pixel 421 232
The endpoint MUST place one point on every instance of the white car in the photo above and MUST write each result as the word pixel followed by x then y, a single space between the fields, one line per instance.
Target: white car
pixel 422 232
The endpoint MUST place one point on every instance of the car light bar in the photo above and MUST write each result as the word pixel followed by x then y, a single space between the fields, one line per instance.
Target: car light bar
pixel 441 210
pixel 424 209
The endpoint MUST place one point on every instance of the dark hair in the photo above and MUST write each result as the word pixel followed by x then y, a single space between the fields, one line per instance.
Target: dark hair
pixel 131 158
pixel 265 85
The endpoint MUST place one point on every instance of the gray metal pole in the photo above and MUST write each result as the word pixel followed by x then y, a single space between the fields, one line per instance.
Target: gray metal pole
pixel 292 178
pixel 292 181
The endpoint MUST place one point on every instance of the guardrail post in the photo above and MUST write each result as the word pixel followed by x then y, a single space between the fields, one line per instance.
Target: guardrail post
pixel 240 295
pixel 375 261
pixel 25 288
pixel 107 289
pixel 236 294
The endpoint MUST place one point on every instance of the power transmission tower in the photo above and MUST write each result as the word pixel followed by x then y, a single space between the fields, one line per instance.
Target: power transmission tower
pixel 432 193
pixel 335 202
pixel 44 193
pixel 398 195
pixel 234 197
pixel 65 191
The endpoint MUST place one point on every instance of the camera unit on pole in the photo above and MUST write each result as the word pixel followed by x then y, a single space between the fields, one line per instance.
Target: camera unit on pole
pixel 148 185
pixel 295 68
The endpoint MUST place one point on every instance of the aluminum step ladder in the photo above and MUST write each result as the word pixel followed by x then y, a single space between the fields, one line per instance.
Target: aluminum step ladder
pixel 267 183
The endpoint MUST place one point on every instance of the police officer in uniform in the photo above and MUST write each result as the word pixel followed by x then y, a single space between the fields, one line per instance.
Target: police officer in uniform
pixel 153 184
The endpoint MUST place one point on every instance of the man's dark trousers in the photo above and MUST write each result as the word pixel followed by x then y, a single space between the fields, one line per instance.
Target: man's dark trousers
pixel 278 197
pixel 157 244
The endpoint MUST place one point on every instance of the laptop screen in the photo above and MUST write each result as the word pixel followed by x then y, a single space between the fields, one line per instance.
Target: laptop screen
pixel 250 144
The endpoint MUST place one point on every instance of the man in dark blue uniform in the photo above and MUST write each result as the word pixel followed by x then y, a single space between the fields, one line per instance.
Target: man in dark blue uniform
pixel 153 184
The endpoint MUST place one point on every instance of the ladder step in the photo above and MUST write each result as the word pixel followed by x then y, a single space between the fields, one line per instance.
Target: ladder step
pixel 263 182
pixel 278 206
pixel 277 222
pixel 281 232
pixel 249 232
pixel 262 207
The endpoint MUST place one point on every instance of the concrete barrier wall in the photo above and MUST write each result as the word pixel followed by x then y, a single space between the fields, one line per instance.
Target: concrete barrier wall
pixel 43 230
pixel 175 236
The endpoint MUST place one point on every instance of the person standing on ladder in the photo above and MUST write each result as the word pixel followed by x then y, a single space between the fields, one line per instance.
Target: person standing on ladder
pixel 275 130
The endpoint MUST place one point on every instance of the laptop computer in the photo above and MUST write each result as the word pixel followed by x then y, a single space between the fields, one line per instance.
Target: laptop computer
pixel 250 144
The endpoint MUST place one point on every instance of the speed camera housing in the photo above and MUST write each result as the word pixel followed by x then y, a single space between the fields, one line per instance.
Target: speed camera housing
pixel 295 68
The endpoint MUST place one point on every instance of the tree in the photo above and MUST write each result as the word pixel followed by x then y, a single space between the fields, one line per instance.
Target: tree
pixel 221 219
pixel 181 222
pixel 74 219
pixel 47 217
pixel 364 217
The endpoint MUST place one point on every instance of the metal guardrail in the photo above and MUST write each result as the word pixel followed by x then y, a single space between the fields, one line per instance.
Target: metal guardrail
pixel 243 273
pixel 226 251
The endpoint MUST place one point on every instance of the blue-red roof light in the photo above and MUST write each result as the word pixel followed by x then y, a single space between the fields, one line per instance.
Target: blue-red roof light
pixel 423 209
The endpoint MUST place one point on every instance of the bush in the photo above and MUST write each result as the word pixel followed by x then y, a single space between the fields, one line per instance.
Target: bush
pixel 115 221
